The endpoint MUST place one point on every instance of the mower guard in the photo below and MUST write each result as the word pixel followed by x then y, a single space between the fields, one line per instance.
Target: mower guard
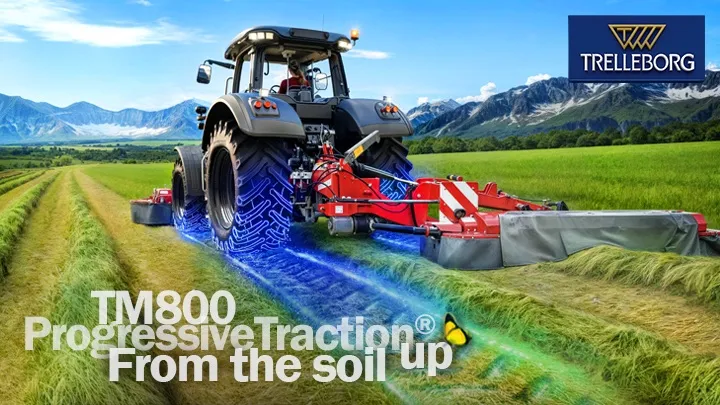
pixel 528 237
pixel 148 213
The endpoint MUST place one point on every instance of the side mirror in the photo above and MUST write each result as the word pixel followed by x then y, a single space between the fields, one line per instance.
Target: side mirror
pixel 321 81
pixel 204 74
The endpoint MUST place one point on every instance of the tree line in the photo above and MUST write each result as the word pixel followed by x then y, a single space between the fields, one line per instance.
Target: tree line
pixel 27 157
pixel 560 138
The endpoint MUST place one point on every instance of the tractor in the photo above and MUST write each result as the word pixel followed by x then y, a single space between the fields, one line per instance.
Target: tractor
pixel 271 155
pixel 251 177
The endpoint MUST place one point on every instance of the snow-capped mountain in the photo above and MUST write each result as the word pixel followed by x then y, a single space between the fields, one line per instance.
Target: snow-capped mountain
pixel 25 121
pixel 557 103
pixel 427 111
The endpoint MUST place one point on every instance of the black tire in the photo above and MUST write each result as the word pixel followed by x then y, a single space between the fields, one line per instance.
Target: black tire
pixel 391 155
pixel 248 190
pixel 189 213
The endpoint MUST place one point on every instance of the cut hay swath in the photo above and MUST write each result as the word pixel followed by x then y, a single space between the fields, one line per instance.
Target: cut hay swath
pixel 693 276
pixel 8 173
pixel 13 219
pixel 5 187
pixel 67 377
pixel 10 177
pixel 655 369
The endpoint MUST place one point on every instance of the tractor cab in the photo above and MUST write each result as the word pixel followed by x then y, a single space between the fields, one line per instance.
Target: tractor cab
pixel 261 56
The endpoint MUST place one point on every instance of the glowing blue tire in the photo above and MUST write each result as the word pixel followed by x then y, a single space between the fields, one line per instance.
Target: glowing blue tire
pixel 248 191
pixel 189 214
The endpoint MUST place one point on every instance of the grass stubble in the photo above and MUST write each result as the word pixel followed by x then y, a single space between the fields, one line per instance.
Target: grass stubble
pixel 31 281
pixel 71 377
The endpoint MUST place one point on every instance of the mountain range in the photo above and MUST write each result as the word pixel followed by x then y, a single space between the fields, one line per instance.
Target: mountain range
pixel 549 104
pixel 25 121
pixel 425 112
pixel 556 103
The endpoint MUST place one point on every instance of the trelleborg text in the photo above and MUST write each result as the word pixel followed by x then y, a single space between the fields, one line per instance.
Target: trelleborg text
pixel 638 62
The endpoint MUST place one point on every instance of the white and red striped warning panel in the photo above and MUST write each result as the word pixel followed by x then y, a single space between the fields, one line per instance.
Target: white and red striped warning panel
pixel 457 200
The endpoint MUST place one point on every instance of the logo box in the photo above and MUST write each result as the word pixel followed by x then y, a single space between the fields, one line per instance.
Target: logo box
pixel 653 48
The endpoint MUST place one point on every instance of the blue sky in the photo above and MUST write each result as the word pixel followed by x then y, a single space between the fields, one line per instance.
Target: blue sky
pixel 144 53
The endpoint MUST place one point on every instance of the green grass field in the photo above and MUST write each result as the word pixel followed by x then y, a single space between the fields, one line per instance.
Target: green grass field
pixel 677 176
pixel 604 326
pixel 133 181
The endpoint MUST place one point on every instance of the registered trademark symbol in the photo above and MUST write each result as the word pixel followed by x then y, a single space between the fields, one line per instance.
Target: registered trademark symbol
pixel 425 324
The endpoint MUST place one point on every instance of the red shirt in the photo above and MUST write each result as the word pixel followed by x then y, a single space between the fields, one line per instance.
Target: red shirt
pixel 294 81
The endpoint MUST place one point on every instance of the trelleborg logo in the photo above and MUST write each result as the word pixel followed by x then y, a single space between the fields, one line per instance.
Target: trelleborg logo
pixel 640 36
pixel 636 48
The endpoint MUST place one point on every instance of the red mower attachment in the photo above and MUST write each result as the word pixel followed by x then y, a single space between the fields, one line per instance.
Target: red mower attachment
pixel 487 228
pixel 154 210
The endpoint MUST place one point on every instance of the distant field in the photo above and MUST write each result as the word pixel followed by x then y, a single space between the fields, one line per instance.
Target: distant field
pixel 681 176
pixel 104 145
pixel 154 142
pixel 133 181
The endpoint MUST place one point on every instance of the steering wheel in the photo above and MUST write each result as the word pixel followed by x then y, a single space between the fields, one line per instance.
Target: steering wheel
pixel 272 91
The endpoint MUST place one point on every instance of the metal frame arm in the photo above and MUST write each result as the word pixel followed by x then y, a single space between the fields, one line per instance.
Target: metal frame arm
pixel 491 197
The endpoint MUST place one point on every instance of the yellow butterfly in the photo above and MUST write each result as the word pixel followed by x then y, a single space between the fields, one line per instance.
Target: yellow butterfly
pixel 454 334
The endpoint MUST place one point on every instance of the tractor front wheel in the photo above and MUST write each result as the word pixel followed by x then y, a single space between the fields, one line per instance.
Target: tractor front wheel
pixel 248 190
pixel 189 214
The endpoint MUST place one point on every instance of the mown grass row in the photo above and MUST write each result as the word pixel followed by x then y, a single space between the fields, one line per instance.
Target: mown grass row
pixel 656 370
pixel 10 177
pixel 8 173
pixel 694 276
pixel 13 219
pixel 5 187
pixel 75 377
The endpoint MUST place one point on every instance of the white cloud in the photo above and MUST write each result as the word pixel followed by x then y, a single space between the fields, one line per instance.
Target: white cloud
pixel 58 21
pixel 145 3
pixel 6 36
pixel 713 67
pixel 361 53
pixel 485 92
pixel 422 100
pixel 538 77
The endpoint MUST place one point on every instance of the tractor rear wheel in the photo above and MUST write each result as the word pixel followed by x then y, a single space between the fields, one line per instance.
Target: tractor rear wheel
pixel 248 190
pixel 189 214
pixel 391 155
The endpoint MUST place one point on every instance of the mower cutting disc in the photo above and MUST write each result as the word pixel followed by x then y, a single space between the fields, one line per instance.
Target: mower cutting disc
pixel 528 237
pixel 148 213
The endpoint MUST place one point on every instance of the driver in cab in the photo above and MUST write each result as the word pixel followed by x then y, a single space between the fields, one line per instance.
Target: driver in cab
pixel 296 78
